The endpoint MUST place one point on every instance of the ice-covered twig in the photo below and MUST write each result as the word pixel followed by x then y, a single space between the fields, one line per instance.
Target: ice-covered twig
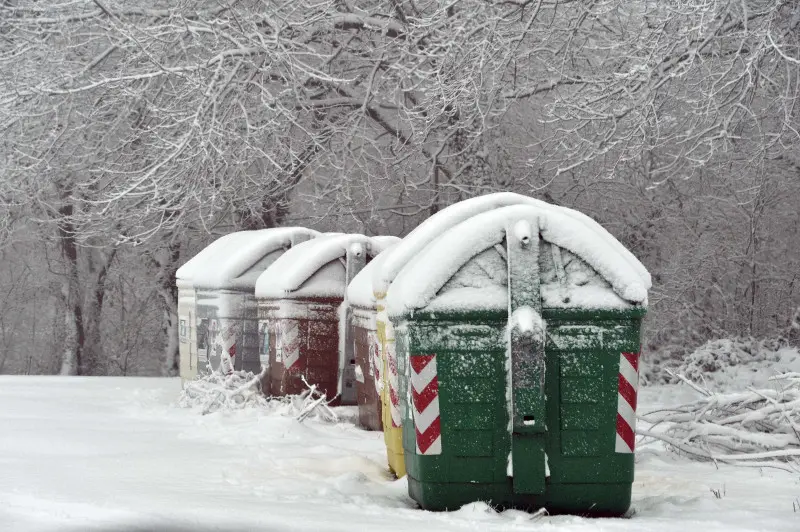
pixel 691 384
pixel 315 401
pixel 215 391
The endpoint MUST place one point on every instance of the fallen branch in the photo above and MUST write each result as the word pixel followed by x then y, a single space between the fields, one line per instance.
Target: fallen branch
pixel 314 401
pixel 216 391
pixel 754 427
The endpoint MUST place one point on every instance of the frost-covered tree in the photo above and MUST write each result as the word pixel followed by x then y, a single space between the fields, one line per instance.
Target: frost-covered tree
pixel 159 123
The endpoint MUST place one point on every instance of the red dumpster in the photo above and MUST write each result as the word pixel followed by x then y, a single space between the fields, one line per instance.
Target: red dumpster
pixel 366 346
pixel 300 308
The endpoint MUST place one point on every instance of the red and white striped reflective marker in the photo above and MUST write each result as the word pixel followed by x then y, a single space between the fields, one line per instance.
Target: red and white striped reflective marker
pixel 394 396
pixel 229 347
pixel 375 358
pixel 290 342
pixel 425 396
pixel 626 402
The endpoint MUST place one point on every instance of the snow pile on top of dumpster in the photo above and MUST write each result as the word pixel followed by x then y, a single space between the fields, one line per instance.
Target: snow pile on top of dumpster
pixel 465 267
pixel 435 226
pixel 231 255
pixel 359 291
pixel 316 268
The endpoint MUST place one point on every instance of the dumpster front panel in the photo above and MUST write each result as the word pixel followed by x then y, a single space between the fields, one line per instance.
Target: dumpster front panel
pixel 587 366
pixel 303 343
pixel 249 356
pixel 226 336
pixel 455 428
pixel 582 470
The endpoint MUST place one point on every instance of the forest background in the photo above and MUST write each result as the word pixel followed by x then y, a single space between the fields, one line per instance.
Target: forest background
pixel 134 132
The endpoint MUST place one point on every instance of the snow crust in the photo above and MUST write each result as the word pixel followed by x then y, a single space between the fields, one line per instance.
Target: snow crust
pixel 315 268
pixel 220 263
pixel 589 296
pixel 101 453
pixel 578 282
pixel 436 225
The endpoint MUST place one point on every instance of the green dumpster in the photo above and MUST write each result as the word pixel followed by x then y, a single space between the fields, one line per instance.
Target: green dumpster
pixel 518 333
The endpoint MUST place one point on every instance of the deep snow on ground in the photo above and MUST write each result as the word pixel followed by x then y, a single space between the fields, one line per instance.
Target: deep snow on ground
pixel 116 453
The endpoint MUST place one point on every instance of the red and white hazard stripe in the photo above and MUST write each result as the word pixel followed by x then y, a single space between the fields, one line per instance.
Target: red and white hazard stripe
pixel 394 384
pixel 425 398
pixel 290 342
pixel 375 359
pixel 626 402
pixel 228 347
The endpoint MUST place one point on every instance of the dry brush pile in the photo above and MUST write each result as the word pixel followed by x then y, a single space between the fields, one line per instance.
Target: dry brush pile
pixel 219 392
pixel 755 428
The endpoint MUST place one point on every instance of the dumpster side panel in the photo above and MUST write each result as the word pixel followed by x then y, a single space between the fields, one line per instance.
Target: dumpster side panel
pixel 187 334
pixel 366 350
pixel 392 424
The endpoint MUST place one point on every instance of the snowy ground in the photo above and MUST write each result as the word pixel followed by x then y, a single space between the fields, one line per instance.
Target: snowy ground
pixel 117 454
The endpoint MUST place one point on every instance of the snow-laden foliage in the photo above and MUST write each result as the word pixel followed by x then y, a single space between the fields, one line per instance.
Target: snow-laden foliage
pixel 215 392
pixel 727 364
pixel 157 122
pixel 719 363
pixel 753 427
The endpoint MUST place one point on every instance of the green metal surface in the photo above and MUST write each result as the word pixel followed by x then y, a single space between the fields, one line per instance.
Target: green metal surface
pixel 582 351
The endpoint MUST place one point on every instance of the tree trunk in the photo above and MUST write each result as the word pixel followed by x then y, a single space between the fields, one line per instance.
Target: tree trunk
pixel 171 366
pixel 72 351
pixel 93 359
pixel 166 262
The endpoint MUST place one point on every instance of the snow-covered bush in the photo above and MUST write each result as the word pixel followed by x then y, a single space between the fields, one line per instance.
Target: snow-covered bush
pixel 725 364
pixel 737 363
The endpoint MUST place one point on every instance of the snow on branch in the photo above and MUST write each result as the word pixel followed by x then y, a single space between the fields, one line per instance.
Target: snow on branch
pixel 756 427
pixel 217 392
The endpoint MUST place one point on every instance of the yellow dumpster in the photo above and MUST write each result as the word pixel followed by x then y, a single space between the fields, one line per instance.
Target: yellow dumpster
pixel 390 400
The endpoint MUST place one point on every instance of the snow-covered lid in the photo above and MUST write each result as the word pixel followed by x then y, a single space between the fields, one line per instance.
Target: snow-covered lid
pixel 417 284
pixel 316 268
pixel 359 291
pixel 384 242
pixel 453 215
pixel 222 263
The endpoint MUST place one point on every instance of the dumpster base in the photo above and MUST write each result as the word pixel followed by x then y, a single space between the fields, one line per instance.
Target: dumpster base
pixel 394 450
pixel 393 438
pixel 597 500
